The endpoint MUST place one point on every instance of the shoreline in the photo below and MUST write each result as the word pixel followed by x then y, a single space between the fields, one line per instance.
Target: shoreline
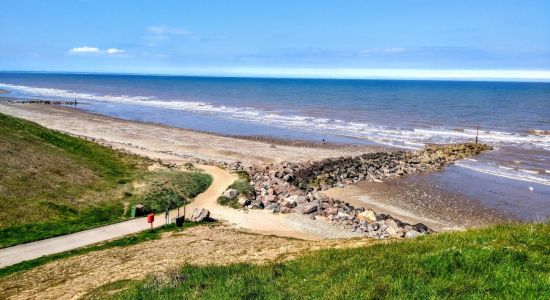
pixel 189 144
pixel 166 142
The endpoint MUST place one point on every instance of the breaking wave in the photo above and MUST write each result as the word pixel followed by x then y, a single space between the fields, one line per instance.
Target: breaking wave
pixel 392 136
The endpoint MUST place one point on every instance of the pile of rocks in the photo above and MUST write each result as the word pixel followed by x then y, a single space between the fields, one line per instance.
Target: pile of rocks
pixel 330 172
pixel 360 220
pixel 293 187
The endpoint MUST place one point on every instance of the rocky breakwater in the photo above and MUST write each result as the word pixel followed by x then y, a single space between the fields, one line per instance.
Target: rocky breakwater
pixel 294 187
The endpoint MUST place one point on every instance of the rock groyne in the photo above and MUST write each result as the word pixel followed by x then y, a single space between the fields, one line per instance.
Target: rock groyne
pixel 294 186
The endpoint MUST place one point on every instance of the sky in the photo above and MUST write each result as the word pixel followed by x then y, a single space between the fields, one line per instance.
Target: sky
pixel 391 38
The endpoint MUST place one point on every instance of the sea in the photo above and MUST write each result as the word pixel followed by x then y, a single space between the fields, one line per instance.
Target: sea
pixel 513 117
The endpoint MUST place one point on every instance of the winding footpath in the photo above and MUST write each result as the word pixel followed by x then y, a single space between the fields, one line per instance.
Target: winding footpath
pixel 258 221
pixel 12 255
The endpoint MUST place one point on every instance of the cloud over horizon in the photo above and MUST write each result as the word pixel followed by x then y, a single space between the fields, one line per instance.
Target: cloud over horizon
pixel 95 50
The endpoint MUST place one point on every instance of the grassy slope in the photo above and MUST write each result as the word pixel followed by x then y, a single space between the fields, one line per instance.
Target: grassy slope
pixel 53 184
pixel 501 262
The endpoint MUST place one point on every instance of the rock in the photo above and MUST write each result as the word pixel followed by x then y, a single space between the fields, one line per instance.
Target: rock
pixel 421 228
pixel 411 234
pixel 330 211
pixel 286 210
pixel 392 228
pixel 200 214
pixel 274 208
pixel 309 208
pixel 343 216
pixel 271 198
pixel 231 193
pixel 290 202
pixel 256 204
pixel 243 201
pixel 368 216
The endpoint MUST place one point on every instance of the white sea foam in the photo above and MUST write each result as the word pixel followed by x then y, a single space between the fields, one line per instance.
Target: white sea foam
pixel 396 137
pixel 511 174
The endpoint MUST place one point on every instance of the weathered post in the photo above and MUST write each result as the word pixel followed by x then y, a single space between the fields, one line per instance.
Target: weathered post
pixel 477 133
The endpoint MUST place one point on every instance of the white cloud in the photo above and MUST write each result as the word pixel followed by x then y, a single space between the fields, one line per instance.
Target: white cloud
pixel 115 51
pixel 159 33
pixel 84 49
pixel 384 50
pixel 94 50
pixel 167 30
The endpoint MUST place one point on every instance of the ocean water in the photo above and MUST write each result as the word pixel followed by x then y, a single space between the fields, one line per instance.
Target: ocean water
pixel 513 117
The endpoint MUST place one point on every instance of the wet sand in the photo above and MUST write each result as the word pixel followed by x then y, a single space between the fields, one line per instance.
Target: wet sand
pixel 416 199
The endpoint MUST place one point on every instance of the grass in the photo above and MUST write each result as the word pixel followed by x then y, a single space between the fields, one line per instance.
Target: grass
pixel 53 184
pixel 243 186
pixel 129 240
pixel 226 201
pixel 509 261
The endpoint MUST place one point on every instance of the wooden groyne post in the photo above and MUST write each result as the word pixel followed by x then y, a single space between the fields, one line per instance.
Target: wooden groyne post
pixel 35 101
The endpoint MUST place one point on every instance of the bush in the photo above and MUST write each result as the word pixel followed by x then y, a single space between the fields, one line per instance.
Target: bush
pixel 222 200
pixel 165 199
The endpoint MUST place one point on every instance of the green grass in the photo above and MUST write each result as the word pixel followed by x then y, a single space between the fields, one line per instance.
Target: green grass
pixel 53 184
pixel 501 262
pixel 243 186
pixel 223 200
pixel 122 242
pixel 189 184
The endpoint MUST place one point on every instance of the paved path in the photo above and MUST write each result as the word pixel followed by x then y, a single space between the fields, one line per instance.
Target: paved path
pixel 12 255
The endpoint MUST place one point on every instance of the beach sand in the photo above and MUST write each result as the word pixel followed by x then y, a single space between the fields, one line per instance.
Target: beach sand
pixel 144 138
pixel 407 201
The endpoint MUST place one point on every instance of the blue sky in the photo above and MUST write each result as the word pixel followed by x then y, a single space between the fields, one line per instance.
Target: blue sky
pixel 279 38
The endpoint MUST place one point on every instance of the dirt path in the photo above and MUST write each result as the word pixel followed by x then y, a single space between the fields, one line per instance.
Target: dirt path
pixel 259 221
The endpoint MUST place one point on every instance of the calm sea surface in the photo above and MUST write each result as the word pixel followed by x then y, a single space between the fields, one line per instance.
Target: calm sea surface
pixel 513 117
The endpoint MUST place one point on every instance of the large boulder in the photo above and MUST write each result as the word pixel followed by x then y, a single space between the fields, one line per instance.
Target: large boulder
pixel 200 214
pixel 393 228
pixel 231 193
pixel 290 202
pixel 368 216
pixel 243 201
pixel 309 208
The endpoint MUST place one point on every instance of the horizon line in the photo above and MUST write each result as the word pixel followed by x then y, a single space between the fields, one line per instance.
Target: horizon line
pixel 342 73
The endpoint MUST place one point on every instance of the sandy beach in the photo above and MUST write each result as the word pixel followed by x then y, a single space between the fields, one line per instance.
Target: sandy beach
pixel 439 211
pixel 158 140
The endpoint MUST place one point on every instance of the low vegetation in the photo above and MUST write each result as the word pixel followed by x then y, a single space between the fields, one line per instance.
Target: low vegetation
pixel 509 261
pixel 242 185
pixel 53 184
pixel 226 201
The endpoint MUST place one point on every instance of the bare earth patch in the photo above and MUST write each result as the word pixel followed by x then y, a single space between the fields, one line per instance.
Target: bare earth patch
pixel 203 245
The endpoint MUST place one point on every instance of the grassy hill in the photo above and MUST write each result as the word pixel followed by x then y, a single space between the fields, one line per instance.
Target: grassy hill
pixel 509 261
pixel 53 184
